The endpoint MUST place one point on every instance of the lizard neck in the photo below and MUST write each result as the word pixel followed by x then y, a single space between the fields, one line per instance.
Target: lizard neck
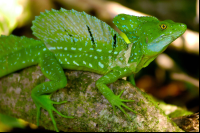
pixel 136 52
pixel 135 55
pixel 136 59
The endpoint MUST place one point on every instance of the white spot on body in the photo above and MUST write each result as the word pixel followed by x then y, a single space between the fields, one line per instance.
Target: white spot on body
pixel 90 65
pixel 59 47
pixel 72 48
pixel 86 43
pixel 75 63
pixel 99 50
pixel 101 65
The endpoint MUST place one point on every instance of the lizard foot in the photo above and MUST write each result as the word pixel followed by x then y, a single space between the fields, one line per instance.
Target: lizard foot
pixel 117 101
pixel 45 102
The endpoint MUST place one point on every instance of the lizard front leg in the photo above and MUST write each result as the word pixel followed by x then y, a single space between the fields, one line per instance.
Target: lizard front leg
pixel 107 92
pixel 131 79
pixel 51 68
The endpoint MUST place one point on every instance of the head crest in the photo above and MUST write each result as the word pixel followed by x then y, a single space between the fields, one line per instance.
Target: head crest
pixel 127 23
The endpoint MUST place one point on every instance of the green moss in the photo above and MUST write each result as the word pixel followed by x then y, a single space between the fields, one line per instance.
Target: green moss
pixel 179 112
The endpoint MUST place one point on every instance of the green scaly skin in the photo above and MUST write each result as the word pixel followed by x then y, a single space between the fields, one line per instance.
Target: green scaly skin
pixel 77 41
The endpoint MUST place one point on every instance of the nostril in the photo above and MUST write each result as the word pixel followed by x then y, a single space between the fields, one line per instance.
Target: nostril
pixel 183 25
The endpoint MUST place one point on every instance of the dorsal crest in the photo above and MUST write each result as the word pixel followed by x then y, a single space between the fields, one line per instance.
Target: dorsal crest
pixel 60 28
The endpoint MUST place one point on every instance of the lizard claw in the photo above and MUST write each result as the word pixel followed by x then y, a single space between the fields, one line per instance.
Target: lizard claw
pixel 117 101
pixel 45 102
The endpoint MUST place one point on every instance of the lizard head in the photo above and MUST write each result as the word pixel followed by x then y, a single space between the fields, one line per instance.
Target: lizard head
pixel 149 35
pixel 154 35
pixel 157 36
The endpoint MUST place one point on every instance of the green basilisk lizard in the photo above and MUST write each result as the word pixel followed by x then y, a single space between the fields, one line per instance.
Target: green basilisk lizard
pixel 77 41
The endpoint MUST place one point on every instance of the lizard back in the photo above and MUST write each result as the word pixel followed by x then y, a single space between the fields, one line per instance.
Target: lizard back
pixel 79 39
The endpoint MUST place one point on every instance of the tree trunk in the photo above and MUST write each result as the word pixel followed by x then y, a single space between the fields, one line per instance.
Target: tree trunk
pixel 91 111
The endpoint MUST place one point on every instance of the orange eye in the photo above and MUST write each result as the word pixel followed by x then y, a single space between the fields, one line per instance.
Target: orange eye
pixel 163 26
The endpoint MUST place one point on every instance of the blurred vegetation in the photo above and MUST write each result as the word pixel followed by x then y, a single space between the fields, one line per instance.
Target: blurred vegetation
pixel 8 122
pixel 173 77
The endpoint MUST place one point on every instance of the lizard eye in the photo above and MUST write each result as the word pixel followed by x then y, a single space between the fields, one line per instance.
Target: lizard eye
pixel 163 26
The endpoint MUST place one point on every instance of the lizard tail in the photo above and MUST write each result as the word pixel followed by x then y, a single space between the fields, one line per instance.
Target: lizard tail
pixel 12 43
